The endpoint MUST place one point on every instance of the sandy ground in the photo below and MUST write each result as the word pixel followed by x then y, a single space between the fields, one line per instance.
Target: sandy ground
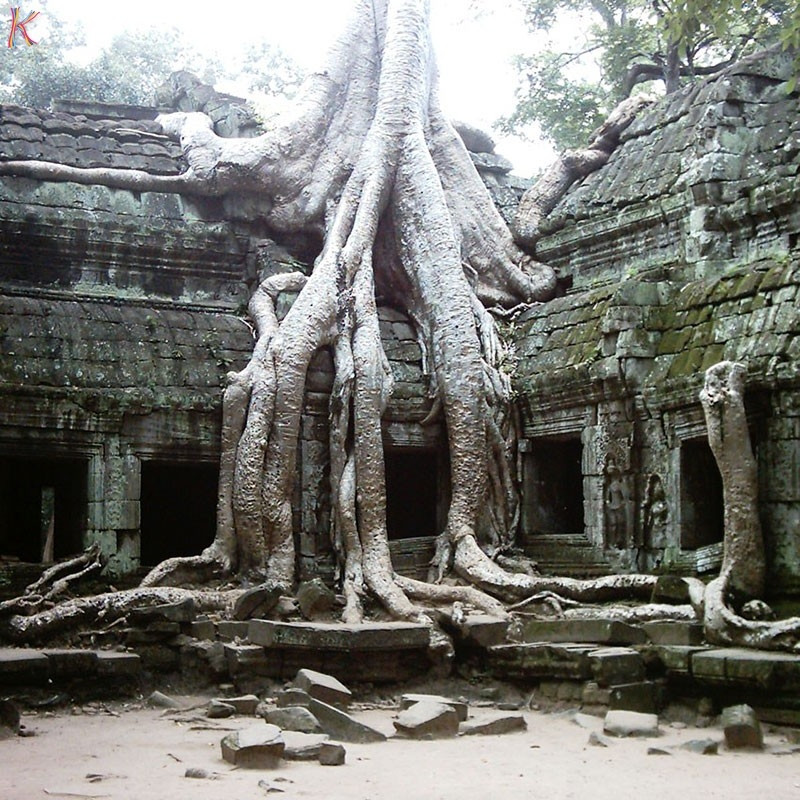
pixel 129 751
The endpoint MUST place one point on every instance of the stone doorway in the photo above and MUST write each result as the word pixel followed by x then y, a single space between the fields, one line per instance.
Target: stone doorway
pixel 178 509
pixel 43 507
pixel 702 509
pixel 553 487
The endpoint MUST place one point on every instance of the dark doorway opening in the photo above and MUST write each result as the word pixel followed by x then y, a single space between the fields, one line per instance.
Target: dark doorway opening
pixel 412 482
pixel 42 507
pixel 553 487
pixel 702 509
pixel 178 509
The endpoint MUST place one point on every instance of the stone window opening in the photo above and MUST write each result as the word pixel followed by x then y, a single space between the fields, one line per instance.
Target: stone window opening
pixel 553 487
pixel 43 507
pixel 702 508
pixel 178 509
pixel 412 492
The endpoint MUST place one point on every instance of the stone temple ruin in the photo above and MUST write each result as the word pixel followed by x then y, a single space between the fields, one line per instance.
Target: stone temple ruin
pixel 122 312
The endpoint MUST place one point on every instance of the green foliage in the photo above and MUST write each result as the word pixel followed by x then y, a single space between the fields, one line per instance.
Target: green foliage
pixel 622 43
pixel 129 70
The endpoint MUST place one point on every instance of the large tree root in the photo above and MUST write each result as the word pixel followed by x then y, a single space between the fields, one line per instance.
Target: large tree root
pixel 106 608
pixel 544 195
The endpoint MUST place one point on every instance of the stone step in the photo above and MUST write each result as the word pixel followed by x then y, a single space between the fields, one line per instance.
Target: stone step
pixel 576 661
pixel 338 636
pixel 30 667
pixel 589 631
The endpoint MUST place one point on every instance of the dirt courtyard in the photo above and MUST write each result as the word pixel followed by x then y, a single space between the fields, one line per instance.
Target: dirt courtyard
pixel 129 750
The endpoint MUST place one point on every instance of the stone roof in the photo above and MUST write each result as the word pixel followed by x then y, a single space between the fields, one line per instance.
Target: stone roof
pixel 149 354
pixel 76 140
pixel 729 145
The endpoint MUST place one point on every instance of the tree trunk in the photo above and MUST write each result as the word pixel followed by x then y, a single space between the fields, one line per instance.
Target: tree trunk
pixel 722 398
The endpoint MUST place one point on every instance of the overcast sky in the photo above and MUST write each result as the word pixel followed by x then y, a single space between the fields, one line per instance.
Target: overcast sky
pixel 474 55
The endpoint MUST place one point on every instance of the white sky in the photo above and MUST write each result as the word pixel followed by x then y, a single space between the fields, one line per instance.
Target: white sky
pixel 474 54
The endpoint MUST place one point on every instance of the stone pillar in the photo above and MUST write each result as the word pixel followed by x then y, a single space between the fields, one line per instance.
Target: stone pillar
pixel 114 495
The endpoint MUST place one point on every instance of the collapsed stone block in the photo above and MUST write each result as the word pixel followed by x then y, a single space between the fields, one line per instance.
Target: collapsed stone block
pixel 254 748
pixel 323 687
pixel 427 720
pixel 742 728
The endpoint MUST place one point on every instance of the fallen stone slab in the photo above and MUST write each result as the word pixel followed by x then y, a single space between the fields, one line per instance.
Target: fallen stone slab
pixel 9 719
pixel 303 746
pixel 630 723
pixel 323 687
pixel 161 700
pixel 658 751
pixel 427 720
pixel 461 708
pixel 340 725
pixel 230 630
pixel 495 727
pixel 245 705
pixel 254 748
pixel 256 602
pixel 598 740
pixel 705 747
pixel 742 728
pixel 217 709
pixel 332 754
pixel 292 697
pixel 339 636
pixel 294 718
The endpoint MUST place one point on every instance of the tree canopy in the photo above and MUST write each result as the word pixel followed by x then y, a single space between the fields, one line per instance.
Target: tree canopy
pixel 568 88
pixel 130 68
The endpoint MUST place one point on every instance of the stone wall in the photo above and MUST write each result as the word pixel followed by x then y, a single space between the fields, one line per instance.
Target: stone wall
pixel 682 251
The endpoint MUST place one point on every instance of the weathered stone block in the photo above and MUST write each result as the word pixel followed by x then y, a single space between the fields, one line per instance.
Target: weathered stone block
pixel 495 727
pixel 230 630
pixel 342 726
pixel 427 720
pixel 293 718
pixel 483 630
pixel 254 748
pixel 256 602
pixel 245 704
pixel 742 728
pixel 461 708
pixel 18 666
pixel 332 754
pixel 303 746
pixel 541 660
pixel 643 697
pixel 616 665
pixel 67 663
pixel 338 636
pixel 111 664
pixel 323 687
pixel 245 659
pixel 315 598
pixel 674 633
pixel 630 723
pixel 292 697
pixel 600 631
